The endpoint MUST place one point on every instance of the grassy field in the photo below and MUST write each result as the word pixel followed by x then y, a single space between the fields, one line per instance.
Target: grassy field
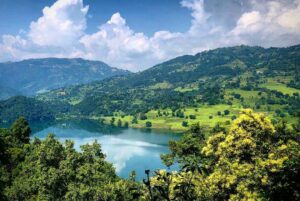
pixel 206 115
pixel 272 84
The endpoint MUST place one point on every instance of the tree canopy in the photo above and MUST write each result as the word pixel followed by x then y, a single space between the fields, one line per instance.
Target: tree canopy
pixel 252 160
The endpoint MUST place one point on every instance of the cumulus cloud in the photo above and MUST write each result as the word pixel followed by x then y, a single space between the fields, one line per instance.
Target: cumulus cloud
pixel 117 43
pixel 61 24
pixel 275 24
pixel 55 34
pixel 60 32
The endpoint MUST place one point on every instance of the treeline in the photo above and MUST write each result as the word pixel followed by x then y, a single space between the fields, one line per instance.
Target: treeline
pixel 252 160
pixel 49 170
pixel 32 109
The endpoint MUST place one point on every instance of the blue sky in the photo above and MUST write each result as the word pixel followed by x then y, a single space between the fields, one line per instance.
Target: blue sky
pixel 146 16
pixel 137 34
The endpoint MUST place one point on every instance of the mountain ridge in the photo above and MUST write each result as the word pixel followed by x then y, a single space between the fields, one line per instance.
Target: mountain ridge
pixel 32 76
pixel 231 78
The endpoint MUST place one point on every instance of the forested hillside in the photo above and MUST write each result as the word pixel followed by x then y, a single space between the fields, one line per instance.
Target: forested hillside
pixel 210 87
pixel 33 76
pixel 30 108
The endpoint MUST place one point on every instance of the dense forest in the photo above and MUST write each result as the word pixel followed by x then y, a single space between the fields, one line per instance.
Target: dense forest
pixel 251 160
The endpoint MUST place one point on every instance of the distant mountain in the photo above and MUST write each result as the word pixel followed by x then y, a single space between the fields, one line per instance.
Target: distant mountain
pixel 6 92
pixel 33 76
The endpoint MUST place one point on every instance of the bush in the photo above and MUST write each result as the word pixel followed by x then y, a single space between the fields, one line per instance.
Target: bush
pixel 134 120
pixel 192 116
pixel 148 124
pixel 143 116
pixel 226 112
pixel 185 124
pixel 119 123
pixel 126 125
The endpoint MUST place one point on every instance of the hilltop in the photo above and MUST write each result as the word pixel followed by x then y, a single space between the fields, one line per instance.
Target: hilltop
pixel 34 76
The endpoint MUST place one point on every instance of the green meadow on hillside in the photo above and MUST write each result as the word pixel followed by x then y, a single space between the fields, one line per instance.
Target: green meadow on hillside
pixel 210 87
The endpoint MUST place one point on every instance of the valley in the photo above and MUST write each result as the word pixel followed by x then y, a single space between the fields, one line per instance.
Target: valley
pixel 152 100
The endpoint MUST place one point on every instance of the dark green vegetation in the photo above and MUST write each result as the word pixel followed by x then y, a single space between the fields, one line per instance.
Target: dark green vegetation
pixel 253 160
pixel 210 87
pixel 33 76
pixel 33 110
pixel 49 170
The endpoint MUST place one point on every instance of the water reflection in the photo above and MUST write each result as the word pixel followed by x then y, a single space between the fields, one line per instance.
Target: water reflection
pixel 128 149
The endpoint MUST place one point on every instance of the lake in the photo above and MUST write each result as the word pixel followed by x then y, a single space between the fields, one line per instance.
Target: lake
pixel 128 149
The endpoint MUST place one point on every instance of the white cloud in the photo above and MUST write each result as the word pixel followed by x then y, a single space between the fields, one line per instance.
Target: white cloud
pixel 61 24
pixel 199 15
pixel 60 32
pixel 275 24
pixel 116 43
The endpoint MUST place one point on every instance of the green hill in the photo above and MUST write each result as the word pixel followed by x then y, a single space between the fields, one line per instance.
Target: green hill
pixel 209 87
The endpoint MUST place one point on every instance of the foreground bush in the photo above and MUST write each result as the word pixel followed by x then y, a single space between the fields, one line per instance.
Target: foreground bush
pixel 253 160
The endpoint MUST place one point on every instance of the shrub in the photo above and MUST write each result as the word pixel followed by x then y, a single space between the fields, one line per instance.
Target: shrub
pixel 185 124
pixel 148 124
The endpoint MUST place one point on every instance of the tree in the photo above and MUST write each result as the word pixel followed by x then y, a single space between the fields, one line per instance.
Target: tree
pixel 119 123
pixel 143 116
pixel 126 125
pixel 49 170
pixel 253 161
pixel 52 171
pixel 180 114
pixel 21 130
pixel 192 116
pixel 248 159
pixel 148 124
pixel 184 124
pixel 226 112
pixel 187 151
pixel 112 121
pixel 134 120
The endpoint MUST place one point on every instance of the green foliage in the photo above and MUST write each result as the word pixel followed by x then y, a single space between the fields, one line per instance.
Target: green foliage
pixel 148 124
pixel 185 124
pixel 187 151
pixel 20 130
pixel 254 160
pixel 192 116
pixel 226 112
pixel 235 77
pixel 119 123
pixel 30 108
pixel 49 170
pixel 143 116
